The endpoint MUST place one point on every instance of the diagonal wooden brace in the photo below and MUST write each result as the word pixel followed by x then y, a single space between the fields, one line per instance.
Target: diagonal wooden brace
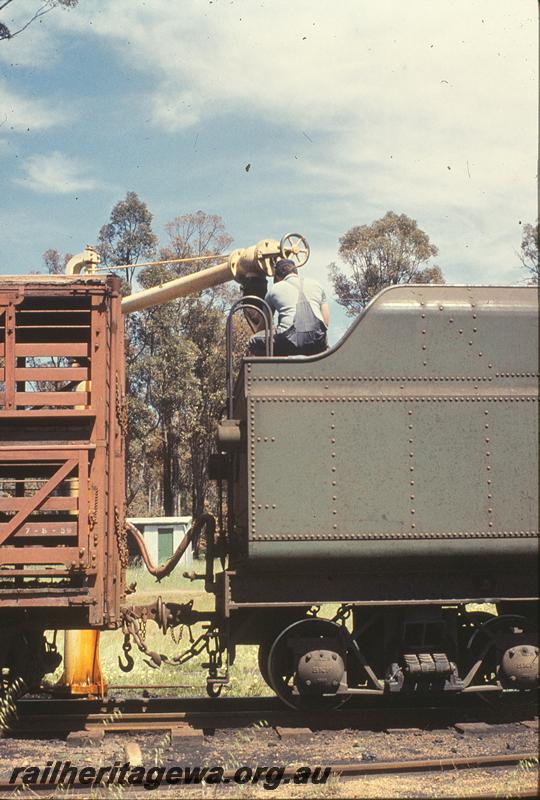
pixel 37 499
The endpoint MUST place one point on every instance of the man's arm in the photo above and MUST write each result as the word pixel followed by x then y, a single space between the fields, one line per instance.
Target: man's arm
pixel 325 314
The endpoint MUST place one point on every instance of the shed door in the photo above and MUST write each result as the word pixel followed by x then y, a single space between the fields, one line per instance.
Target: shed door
pixel 165 544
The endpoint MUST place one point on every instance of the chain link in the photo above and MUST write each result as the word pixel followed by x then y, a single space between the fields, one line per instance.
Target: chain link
pixel 121 537
pixel 121 409
pixel 342 614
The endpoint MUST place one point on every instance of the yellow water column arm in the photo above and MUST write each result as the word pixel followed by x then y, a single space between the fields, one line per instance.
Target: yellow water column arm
pixel 242 264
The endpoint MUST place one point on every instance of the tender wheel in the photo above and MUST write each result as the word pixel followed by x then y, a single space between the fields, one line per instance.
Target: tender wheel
pixel 509 651
pixel 264 652
pixel 307 665
pixel 295 247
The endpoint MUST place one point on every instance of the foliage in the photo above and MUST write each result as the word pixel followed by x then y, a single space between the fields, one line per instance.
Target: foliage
pixel 128 236
pixel 43 7
pixel 391 250
pixel 54 262
pixel 176 374
pixel 529 251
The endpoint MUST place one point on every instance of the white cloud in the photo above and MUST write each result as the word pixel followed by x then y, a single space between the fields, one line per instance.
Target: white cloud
pixel 55 173
pixel 18 113
pixel 173 110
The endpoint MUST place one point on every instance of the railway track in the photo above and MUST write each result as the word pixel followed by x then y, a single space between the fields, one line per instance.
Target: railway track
pixel 346 771
pixel 81 719
pixel 59 717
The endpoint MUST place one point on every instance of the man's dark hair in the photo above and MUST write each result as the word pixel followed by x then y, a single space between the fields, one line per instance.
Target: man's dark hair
pixel 285 267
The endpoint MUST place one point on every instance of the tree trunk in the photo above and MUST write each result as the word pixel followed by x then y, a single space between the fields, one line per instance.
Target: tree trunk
pixel 170 473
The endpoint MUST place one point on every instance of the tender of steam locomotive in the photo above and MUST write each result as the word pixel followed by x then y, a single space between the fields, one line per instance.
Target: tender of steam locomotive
pixel 394 477
pixel 370 494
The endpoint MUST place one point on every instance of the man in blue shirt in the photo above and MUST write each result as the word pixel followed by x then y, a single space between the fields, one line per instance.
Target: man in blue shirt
pixel 302 311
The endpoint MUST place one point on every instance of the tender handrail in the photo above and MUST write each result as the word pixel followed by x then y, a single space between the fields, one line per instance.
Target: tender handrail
pixel 266 314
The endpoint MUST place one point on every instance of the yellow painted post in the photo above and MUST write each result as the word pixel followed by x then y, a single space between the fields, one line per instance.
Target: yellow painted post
pixel 82 668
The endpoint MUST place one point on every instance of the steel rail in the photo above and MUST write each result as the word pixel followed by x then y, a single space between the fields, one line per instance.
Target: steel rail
pixel 348 770
pixel 37 717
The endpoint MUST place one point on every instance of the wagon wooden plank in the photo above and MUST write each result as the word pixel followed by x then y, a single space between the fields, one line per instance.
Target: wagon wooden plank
pixel 48 349
pixel 50 504
pixel 51 398
pixel 51 374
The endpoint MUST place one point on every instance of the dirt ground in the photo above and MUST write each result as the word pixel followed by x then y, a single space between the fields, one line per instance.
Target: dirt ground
pixel 263 747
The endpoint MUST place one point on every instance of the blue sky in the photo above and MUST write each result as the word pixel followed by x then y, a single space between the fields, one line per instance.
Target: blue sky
pixel 344 109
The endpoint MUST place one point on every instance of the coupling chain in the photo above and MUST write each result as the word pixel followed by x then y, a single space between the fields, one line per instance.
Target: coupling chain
pixel 121 537
pixel 135 628
pixel 121 409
